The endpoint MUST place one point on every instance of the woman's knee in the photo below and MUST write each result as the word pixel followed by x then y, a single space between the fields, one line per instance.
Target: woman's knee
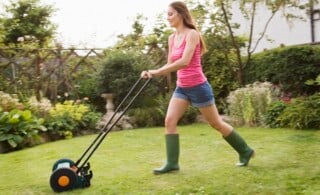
pixel 170 122
pixel 215 124
pixel 170 126
pixel 219 125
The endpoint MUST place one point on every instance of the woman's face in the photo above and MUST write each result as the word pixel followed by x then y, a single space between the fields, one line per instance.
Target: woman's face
pixel 173 17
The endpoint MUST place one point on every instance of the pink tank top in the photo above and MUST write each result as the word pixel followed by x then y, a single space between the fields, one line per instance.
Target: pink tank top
pixel 192 74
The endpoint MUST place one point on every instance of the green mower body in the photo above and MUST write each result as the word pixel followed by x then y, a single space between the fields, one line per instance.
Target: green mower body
pixel 67 176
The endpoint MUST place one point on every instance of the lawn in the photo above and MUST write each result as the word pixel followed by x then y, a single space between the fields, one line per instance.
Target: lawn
pixel 287 162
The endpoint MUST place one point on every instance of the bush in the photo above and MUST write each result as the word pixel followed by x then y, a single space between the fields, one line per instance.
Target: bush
pixel 146 117
pixel 288 67
pixel 155 116
pixel 17 125
pixel 314 82
pixel 273 112
pixel 249 104
pixel 302 113
pixel 40 108
pixel 216 66
pixel 68 117
pixel 189 116
pixel 9 102
pixel 120 70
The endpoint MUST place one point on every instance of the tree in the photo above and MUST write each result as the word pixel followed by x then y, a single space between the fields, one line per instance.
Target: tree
pixel 119 71
pixel 1 30
pixel 153 46
pixel 249 11
pixel 28 20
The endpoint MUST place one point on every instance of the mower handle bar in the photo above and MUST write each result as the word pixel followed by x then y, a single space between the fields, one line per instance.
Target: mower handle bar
pixel 106 128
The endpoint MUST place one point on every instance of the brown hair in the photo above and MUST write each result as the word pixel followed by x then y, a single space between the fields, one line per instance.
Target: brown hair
pixel 188 21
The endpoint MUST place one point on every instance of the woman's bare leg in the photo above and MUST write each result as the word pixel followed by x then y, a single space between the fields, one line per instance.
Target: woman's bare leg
pixel 211 114
pixel 229 134
pixel 176 109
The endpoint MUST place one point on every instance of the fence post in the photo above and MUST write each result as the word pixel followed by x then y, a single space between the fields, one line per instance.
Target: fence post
pixel 38 85
pixel 14 82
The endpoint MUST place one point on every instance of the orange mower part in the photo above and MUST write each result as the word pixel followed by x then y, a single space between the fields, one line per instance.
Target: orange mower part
pixel 63 181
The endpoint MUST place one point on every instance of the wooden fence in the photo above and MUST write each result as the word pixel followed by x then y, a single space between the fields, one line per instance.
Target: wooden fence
pixel 45 71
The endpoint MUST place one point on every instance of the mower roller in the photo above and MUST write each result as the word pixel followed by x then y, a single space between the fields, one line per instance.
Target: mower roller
pixel 67 174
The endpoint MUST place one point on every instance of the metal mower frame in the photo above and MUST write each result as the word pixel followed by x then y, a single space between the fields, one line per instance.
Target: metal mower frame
pixel 67 174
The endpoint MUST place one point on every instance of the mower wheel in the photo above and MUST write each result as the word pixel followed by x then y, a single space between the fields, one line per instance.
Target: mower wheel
pixel 63 179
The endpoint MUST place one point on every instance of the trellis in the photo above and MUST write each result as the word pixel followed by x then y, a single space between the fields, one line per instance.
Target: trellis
pixel 44 70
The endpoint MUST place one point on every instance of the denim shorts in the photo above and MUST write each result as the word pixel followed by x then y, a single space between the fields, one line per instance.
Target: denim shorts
pixel 199 96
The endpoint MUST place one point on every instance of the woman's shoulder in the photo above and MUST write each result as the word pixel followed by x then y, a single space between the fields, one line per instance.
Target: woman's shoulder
pixel 192 34
pixel 171 36
pixel 170 39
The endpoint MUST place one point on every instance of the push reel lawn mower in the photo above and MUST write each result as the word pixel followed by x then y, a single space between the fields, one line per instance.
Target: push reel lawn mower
pixel 67 174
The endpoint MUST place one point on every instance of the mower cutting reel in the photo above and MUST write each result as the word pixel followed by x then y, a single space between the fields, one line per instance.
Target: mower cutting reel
pixel 67 174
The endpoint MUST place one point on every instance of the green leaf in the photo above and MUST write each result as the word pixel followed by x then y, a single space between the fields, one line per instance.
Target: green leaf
pixel 43 128
pixel 12 143
pixel 310 82
pixel 17 138
pixel 3 117
pixel 27 115
pixel 40 121
pixel 14 119
pixel 4 137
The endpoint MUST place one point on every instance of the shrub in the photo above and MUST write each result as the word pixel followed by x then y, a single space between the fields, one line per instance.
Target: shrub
pixel 313 81
pixel 288 67
pixel 302 113
pixel 68 117
pixel 16 126
pixel 9 102
pixel 155 116
pixel 221 66
pixel 249 104
pixel 89 120
pixel 188 117
pixel 40 108
pixel 119 71
pixel 274 110
pixel 146 117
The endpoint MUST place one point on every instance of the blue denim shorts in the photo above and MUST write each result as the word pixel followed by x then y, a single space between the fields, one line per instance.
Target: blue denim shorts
pixel 199 96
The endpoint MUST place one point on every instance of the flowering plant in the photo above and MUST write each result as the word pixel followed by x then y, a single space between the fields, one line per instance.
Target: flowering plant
pixel 9 102
pixel 249 104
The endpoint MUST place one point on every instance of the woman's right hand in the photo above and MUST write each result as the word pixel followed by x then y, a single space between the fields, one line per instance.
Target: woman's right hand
pixel 145 74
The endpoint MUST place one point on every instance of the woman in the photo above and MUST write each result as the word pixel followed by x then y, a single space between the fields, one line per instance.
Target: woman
pixel 185 49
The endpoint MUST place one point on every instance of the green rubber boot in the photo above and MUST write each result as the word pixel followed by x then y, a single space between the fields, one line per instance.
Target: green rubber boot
pixel 244 151
pixel 172 148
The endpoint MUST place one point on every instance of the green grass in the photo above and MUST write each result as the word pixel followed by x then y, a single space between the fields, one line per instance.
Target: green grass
pixel 287 162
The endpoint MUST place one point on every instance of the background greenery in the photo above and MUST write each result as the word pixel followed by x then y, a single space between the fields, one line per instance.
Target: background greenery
pixel 286 163
pixel 35 104
pixel 48 90
pixel 287 67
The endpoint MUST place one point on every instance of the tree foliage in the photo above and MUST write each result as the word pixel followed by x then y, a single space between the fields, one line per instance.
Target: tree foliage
pixel 249 11
pixel 228 53
pixel 28 20
pixel 288 67
pixel 119 71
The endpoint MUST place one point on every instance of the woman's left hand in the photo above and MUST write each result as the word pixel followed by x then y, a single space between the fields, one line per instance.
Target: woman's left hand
pixel 149 73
